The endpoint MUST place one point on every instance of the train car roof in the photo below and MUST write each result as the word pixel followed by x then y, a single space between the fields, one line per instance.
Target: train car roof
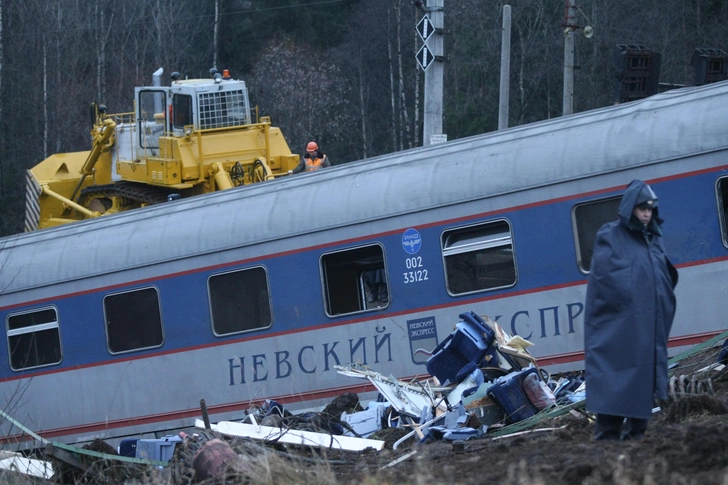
pixel 675 124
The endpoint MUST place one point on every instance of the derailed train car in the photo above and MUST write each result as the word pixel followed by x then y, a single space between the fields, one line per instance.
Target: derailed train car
pixel 118 326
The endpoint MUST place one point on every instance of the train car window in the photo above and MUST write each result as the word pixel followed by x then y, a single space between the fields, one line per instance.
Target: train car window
pixel 240 301
pixel 586 219
pixel 133 320
pixel 355 280
pixel 722 188
pixel 479 258
pixel 34 339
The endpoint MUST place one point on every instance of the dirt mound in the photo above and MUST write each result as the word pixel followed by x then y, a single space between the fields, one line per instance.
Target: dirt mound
pixel 707 445
pixel 691 406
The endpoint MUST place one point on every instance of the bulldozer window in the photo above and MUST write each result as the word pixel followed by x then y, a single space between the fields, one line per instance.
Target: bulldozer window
pixel 181 111
pixel 151 117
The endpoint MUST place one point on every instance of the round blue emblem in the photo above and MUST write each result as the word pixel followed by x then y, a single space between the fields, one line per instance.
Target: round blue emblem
pixel 411 241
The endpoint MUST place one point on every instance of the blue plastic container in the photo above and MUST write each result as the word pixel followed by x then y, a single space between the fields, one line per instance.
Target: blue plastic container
pixel 160 449
pixel 127 447
pixel 510 397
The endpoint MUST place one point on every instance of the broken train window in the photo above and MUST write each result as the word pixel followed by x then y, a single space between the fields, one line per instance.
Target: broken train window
pixel 355 280
pixel 479 258
pixel 722 193
pixel 586 219
pixel 34 339
pixel 240 301
pixel 133 320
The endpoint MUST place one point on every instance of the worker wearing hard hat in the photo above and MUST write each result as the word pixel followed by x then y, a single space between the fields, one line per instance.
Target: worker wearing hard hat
pixel 312 160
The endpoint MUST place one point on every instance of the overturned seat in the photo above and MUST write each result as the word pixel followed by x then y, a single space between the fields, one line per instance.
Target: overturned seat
pixel 463 350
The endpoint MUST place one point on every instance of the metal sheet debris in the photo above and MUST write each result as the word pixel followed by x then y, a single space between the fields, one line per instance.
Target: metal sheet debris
pixel 366 422
pixel 292 436
pixel 27 466
pixel 406 398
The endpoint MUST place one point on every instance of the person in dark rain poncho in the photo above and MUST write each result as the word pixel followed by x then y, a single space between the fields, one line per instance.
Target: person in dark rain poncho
pixel 629 308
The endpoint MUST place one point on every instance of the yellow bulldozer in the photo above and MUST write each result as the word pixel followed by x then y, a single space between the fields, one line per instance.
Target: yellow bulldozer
pixel 192 137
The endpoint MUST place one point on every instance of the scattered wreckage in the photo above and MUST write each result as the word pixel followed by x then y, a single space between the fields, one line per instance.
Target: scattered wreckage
pixel 482 383
pixel 481 380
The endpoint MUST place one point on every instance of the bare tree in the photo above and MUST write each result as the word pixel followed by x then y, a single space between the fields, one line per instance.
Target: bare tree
pixel 2 157
pixel 363 95
pixel 404 122
pixel 102 32
pixel 354 85
pixel 305 95
pixel 45 98
pixel 215 59
pixel 392 91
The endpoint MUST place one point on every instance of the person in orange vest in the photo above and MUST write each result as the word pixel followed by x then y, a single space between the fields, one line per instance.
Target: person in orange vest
pixel 312 160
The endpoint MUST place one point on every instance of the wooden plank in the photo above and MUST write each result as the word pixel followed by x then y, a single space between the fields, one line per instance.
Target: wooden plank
pixel 65 456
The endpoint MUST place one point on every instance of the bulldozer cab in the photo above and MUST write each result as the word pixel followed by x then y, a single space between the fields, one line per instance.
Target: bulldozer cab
pixel 194 104
pixel 190 138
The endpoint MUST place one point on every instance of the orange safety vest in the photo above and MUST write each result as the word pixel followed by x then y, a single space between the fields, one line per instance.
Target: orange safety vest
pixel 312 165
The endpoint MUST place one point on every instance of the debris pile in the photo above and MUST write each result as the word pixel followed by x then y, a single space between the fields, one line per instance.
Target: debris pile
pixel 480 379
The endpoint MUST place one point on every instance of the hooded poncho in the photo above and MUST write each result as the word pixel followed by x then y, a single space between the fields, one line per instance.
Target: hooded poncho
pixel 629 308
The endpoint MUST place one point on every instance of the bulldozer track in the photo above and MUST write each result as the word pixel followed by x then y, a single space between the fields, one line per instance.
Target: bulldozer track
pixel 129 190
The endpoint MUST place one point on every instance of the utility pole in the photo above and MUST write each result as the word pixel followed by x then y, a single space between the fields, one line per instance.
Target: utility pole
pixel 434 74
pixel 505 69
pixel 569 58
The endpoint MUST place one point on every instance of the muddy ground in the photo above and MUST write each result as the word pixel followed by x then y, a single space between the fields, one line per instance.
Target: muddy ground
pixel 689 447
pixel 692 449
pixel 686 443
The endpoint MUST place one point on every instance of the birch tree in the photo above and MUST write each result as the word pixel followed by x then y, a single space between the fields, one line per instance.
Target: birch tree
pixel 2 144
pixel 215 60
pixel 392 90
pixel 404 118
pixel 102 31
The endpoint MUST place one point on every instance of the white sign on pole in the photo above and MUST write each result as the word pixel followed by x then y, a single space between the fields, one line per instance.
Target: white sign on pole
pixel 424 28
pixel 425 57
pixel 435 139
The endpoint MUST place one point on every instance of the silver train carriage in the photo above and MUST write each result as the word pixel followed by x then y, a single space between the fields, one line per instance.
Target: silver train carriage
pixel 119 326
